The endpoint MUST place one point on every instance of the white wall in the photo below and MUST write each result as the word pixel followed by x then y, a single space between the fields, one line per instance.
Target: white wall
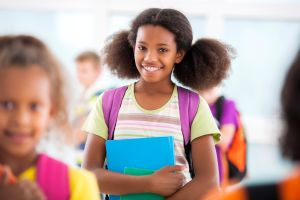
pixel 265 34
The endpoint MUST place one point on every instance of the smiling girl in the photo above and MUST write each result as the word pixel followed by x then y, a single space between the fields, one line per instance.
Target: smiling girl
pixel 158 44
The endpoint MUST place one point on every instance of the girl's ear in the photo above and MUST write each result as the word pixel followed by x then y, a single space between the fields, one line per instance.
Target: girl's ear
pixel 179 56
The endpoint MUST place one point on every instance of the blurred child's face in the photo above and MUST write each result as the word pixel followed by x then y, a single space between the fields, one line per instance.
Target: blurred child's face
pixel 87 73
pixel 25 109
pixel 156 53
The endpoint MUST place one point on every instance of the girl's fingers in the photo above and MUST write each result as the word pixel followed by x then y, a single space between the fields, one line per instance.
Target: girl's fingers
pixel 174 168
pixel 11 179
pixel 31 190
pixel 2 175
pixel 6 176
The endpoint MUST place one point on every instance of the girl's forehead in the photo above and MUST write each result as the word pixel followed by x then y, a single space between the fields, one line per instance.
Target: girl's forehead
pixel 155 33
pixel 27 73
pixel 25 83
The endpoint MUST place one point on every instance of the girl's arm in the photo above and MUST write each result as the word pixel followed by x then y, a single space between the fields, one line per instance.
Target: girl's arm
pixel 163 182
pixel 206 170
pixel 227 131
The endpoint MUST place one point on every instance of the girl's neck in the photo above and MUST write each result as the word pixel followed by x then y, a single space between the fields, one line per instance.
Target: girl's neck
pixel 19 164
pixel 154 88
pixel 213 100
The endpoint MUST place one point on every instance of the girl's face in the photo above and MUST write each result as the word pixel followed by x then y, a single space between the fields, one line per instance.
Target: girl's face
pixel 25 109
pixel 155 53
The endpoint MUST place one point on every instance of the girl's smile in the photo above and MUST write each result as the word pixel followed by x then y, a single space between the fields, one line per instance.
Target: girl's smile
pixel 149 68
pixel 17 138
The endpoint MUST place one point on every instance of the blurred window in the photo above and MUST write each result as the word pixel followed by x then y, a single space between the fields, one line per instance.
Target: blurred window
pixel 264 52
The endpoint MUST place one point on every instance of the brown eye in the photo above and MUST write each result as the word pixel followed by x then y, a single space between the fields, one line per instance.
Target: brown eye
pixel 141 48
pixel 163 50
pixel 34 106
pixel 7 105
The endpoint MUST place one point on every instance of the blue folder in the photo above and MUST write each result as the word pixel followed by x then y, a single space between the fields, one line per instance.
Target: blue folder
pixel 144 153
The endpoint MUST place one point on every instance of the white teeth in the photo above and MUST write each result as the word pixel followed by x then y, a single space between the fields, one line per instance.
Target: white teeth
pixel 151 68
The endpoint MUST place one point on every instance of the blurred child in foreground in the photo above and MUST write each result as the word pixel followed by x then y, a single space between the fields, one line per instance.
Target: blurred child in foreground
pixel 32 101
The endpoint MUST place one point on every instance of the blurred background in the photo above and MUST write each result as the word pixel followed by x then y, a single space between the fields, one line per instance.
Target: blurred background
pixel 265 34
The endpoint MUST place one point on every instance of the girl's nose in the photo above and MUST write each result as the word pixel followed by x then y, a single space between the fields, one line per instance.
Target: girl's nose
pixel 150 56
pixel 22 117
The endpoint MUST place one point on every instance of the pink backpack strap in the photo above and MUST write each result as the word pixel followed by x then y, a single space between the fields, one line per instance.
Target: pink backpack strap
pixel 188 107
pixel 53 178
pixel 111 104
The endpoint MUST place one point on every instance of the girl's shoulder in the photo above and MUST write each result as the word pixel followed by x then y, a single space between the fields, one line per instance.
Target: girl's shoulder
pixel 229 104
pixel 114 93
pixel 116 89
pixel 187 94
pixel 229 101
pixel 226 103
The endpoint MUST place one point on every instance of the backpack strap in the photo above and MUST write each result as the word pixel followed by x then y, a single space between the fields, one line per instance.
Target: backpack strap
pixel 188 107
pixel 111 103
pixel 53 178
pixel 222 164
pixel 219 108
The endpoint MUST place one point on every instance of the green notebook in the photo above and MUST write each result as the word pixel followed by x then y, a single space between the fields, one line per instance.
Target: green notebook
pixel 139 196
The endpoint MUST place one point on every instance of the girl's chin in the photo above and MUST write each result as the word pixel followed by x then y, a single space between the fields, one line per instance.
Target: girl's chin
pixel 21 152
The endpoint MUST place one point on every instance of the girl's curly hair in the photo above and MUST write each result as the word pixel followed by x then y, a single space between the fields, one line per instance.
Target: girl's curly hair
pixel 205 64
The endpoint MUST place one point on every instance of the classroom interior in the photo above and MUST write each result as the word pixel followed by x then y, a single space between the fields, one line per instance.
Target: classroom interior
pixel 264 33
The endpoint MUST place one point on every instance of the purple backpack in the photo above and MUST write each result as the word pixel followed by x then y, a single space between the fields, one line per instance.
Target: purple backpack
pixel 53 178
pixel 188 106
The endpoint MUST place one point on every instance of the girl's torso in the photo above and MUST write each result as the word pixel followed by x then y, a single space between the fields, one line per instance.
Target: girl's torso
pixel 136 122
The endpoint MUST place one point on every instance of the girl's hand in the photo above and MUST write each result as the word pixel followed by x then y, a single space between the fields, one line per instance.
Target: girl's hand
pixel 6 176
pixel 22 190
pixel 167 180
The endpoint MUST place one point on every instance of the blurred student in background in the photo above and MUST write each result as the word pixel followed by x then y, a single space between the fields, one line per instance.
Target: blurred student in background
pixel 32 101
pixel 231 150
pixel 288 188
pixel 88 70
